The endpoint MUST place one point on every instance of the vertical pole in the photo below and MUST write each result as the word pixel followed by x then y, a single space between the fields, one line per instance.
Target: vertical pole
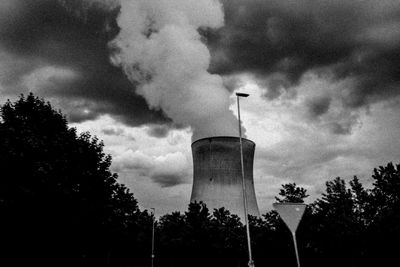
pixel 295 249
pixel 251 262
pixel 152 239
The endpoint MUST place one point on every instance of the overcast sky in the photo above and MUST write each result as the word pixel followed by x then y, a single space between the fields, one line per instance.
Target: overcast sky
pixel 150 76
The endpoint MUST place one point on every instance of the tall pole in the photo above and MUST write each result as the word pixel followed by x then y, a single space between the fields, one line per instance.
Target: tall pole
pixel 295 249
pixel 152 238
pixel 251 262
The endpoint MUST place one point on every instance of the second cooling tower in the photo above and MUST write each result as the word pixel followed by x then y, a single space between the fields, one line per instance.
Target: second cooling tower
pixel 217 176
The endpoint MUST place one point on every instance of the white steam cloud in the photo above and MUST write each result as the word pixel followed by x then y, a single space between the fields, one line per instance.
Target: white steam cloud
pixel 160 49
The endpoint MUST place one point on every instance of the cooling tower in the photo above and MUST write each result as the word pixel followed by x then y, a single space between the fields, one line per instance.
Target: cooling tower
pixel 217 176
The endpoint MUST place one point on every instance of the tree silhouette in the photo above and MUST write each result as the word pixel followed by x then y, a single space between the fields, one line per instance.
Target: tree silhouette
pixel 171 239
pixel 228 238
pixel 59 200
pixel 384 227
pixel 387 186
pixel 291 193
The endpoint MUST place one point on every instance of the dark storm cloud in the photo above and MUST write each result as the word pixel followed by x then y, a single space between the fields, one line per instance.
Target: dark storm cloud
pixel 231 83
pixel 342 128
pixel 168 180
pixel 167 170
pixel 113 131
pixel 71 35
pixel 117 131
pixel 280 40
pixel 318 106
pixel 158 131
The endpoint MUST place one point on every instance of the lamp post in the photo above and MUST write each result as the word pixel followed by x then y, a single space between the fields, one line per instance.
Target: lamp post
pixel 152 238
pixel 251 262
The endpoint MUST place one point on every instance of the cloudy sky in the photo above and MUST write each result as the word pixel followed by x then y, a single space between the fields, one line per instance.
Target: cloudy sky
pixel 150 76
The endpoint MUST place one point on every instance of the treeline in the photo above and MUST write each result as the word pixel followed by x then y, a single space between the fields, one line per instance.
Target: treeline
pixel 348 226
pixel 61 206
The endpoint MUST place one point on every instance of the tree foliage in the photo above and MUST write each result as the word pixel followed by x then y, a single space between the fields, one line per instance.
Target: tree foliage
pixel 348 225
pixel 58 199
pixel 292 193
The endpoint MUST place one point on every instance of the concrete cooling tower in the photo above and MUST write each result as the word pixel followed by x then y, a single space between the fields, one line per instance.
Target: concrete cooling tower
pixel 217 176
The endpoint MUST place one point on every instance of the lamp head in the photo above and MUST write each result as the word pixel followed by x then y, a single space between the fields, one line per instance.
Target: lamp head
pixel 242 94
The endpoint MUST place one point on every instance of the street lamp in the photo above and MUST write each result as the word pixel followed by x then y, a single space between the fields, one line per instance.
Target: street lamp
pixel 152 238
pixel 251 262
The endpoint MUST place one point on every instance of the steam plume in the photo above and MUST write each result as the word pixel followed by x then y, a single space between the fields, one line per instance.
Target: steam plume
pixel 160 49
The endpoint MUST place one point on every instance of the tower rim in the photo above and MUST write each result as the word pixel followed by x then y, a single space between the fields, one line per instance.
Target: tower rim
pixel 224 137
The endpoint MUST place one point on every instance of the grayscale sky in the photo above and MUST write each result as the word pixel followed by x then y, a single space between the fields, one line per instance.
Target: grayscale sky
pixel 150 76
